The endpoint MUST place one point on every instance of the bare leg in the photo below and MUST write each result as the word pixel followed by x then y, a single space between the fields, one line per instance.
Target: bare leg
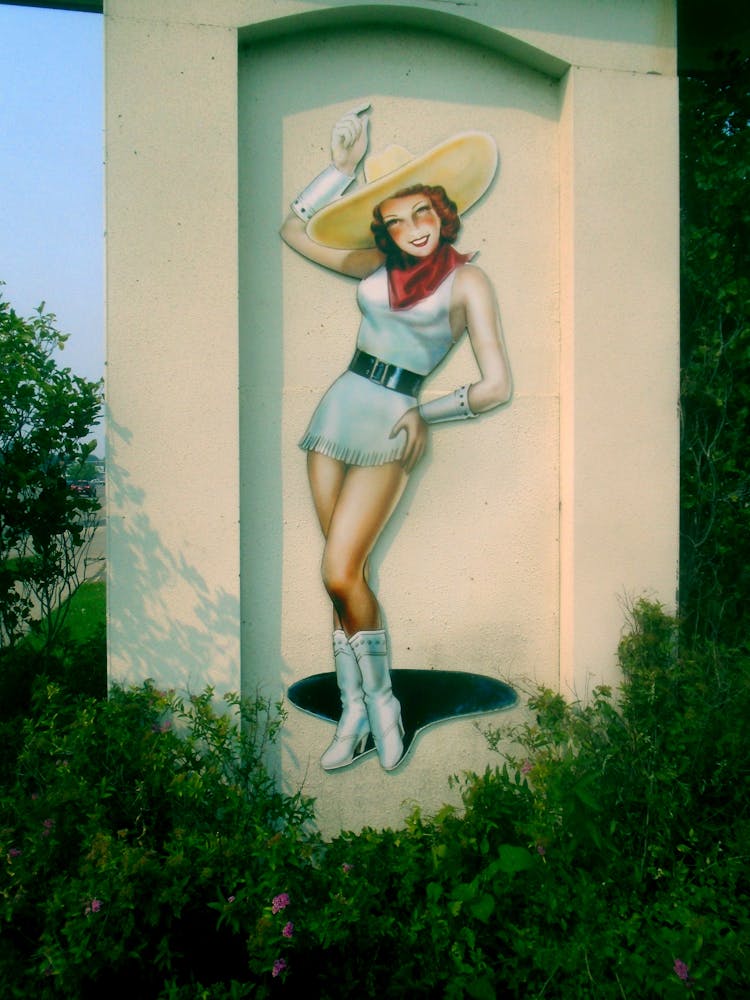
pixel 353 505
pixel 366 501
pixel 326 477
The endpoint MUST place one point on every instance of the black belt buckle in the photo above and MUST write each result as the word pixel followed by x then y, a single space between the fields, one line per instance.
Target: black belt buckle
pixel 379 372
pixel 385 374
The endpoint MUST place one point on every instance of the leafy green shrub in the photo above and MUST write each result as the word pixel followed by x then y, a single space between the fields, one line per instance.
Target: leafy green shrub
pixel 78 666
pixel 715 335
pixel 640 808
pixel 46 412
pixel 149 852
pixel 136 828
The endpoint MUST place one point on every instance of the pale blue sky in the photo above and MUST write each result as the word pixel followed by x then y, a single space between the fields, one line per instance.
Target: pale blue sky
pixel 51 173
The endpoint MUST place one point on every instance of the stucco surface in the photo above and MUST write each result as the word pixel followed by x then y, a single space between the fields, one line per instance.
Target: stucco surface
pixel 467 571
pixel 638 37
pixel 619 363
pixel 524 533
pixel 172 459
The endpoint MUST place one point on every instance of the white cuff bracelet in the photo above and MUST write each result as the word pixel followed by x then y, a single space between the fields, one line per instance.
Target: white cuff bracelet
pixel 320 192
pixel 454 406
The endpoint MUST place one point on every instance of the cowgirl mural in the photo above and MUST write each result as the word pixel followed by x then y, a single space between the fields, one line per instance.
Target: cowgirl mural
pixel 417 295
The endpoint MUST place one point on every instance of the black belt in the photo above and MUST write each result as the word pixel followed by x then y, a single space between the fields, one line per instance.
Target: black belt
pixel 389 376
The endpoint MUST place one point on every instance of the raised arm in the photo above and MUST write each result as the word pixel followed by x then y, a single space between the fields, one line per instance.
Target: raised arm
pixel 348 146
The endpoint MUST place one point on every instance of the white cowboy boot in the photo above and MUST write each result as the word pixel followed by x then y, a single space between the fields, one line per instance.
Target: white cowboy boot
pixel 383 708
pixel 353 726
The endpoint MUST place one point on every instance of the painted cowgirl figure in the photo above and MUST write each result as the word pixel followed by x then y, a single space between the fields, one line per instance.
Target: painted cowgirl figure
pixel 417 296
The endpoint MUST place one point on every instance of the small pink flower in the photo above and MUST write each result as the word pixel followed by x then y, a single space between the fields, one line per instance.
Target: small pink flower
pixel 96 905
pixel 288 930
pixel 278 967
pixel 231 899
pixel 48 824
pixel 280 902
pixel 681 970
pixel 526 767
pixel 540 850
pixel 346 867
pixel 15 852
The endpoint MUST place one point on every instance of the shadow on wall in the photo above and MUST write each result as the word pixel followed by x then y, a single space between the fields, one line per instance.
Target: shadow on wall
pixel 164 621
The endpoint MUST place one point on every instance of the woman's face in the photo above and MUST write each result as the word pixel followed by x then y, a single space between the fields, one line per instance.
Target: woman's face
pixel 412 223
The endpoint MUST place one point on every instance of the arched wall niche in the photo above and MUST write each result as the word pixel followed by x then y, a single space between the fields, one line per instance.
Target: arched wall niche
pixel 362 17
pixel 468 568
pixel 571 493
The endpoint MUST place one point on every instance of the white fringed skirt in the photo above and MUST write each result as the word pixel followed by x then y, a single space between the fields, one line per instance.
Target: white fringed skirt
pixel 353 421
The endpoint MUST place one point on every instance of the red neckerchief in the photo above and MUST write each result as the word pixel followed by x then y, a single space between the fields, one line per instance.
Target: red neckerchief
pixel 408 286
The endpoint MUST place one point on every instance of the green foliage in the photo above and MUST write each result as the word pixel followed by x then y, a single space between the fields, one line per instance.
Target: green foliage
pixel 715 459
pixel 149 851
pixel 77 662
pixel 640 807
pixel 46 412
pixel 143 837
pixel 83 472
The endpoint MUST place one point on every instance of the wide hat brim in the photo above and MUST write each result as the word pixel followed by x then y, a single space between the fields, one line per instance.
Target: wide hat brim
pixel 464 165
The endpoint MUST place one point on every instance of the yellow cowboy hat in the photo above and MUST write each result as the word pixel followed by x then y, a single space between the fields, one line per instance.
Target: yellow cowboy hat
pixel 464 165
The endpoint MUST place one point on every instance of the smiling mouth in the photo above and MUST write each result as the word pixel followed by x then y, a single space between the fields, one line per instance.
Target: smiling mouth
pixel 420 242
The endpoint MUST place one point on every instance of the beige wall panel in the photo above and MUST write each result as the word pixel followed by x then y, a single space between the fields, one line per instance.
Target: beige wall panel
pixel 639 37
pixel 523 533
pixel 172 454
pixel 620 376
pixel 467 571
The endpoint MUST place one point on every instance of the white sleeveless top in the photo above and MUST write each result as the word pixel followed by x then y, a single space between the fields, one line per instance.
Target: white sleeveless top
pixel 354 420
pixel 417 338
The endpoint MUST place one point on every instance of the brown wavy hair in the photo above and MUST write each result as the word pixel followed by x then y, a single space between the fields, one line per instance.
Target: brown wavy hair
pixel 450 223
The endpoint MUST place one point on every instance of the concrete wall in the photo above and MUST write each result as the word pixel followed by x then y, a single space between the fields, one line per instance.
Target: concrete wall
pixel 521 536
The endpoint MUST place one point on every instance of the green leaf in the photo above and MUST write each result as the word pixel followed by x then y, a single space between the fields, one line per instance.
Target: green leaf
pixel 434 891
pixel 483 908
pixel 464 892
pixel 514 859
pixel 481 989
